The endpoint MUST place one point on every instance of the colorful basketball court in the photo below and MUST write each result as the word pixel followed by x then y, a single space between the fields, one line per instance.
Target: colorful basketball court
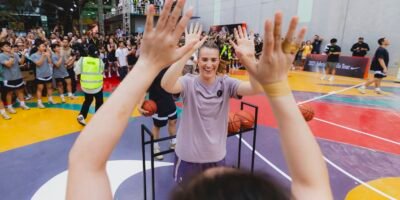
pixel 358 134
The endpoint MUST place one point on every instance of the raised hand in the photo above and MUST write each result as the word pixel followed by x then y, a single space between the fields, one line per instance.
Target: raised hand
pixel 277 55
pixel 245 48
pixel 193 35
pixel 159 43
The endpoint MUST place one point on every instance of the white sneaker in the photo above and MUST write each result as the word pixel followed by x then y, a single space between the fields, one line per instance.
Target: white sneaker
pixel 378 91
pixel 157 150
pixel 172 145
pixel 24 107
pixel 11 110
pixel 361 89
pixel 40 105
pixel 331 78
pixel 28 97
pixel 323 77
pixel 81 120
pixel 5 116
pixel 51 101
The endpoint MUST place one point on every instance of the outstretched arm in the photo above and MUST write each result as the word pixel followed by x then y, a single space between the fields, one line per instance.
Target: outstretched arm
pixel 170 81
pixel 301 150
pixel 87 178
pixel 245 50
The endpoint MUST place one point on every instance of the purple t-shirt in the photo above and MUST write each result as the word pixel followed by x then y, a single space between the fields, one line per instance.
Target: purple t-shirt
pixel 202 132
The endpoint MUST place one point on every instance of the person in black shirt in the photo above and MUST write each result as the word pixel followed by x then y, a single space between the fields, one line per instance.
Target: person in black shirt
pixel 166 111
pixel 316 45
pixel 333 53
pixel 360 48
pixel 379 65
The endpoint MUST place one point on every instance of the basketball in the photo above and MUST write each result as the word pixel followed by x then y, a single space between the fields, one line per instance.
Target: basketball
pixel 307 112
pixel 150 106
pixel 233 123
pixel 246 119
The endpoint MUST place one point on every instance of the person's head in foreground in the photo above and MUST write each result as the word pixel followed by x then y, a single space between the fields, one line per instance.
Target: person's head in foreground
pixel 230 184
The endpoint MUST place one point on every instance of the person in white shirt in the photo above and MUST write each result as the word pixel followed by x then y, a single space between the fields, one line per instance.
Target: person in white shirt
pixel 121 54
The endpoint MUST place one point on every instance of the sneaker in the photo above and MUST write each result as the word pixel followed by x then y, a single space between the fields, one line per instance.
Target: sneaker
pixel 51 101
pixel 11 110
pixel 378 91
pixel 28 97
pixel 81 120
pixel 323 77
pixel 40 105
pixel 361 89
pixel 331 78
pixel 5 116
pixel 172 145
pixel 24 107
pixel 157 150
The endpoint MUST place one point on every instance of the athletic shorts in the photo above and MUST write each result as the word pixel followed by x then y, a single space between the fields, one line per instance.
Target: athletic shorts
pixel 44 80
pixel 379 74
pixel 331 65
pixel 184 171
pixel 13 85
pixel 161 118
pixel 62 80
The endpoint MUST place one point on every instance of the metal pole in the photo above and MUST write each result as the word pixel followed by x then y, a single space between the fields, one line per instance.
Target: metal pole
pixel 254 140
pixel 152 168
pixel 100 11
pixel 144 165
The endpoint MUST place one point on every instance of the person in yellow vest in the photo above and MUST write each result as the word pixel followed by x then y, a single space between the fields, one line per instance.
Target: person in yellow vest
pixel 91 69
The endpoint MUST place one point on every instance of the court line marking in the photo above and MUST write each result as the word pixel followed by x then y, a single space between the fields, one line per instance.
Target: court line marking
pixel 329 94
pixel 345 127
pixel 328 161
pixel 358 180
pixel 266 160
pixel 357 131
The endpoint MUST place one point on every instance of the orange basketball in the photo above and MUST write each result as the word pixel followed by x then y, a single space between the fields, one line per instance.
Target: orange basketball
pixel 307 111
pixel 246 119
pixel 150 106
pixel 233 123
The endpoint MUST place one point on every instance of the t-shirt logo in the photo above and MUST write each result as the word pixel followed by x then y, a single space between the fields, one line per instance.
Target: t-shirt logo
pixel 219 93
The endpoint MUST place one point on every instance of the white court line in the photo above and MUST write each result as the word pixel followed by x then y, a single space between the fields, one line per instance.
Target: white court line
pixel 330 93
pixel 328 161
pixel 358 180
pixel 357 131
pixel 266 160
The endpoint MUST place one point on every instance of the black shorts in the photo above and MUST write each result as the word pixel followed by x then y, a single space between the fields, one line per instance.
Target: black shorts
pixel 379 74
pixel 44 80
pixel 12 85
pixel 62 80
pixel 161 119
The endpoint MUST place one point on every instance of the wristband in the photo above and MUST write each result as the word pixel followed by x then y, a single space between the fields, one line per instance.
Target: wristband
pixel 277 89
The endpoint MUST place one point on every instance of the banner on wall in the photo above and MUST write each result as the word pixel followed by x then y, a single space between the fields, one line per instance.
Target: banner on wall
pixel 357 67
pixel 228 28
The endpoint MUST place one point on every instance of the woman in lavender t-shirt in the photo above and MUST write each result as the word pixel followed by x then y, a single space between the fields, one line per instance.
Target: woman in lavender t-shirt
pixel 201 136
